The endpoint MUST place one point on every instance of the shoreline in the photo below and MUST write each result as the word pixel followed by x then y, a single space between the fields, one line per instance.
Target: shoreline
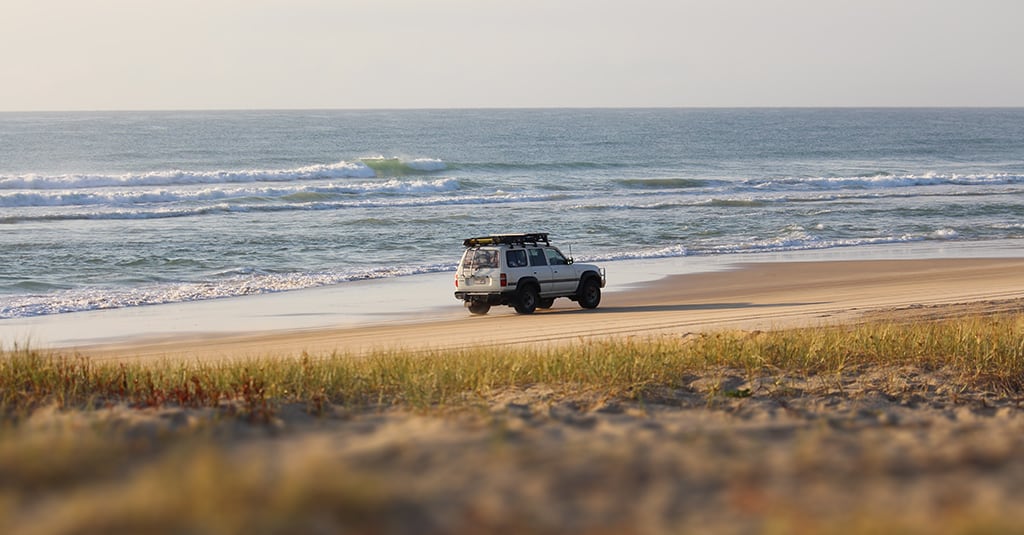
pixel 656 296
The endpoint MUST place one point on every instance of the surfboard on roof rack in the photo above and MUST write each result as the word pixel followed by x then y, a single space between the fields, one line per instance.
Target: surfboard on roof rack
pixel 532 238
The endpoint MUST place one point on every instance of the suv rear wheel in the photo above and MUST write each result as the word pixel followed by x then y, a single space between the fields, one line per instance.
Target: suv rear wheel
pixel 479 307
pixel 527 300
pixel 590 293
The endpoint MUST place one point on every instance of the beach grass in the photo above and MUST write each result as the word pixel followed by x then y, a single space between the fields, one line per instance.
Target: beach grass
pixel 121 447
pixel 972 350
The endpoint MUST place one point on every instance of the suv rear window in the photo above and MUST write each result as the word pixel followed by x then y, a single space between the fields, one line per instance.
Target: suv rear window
pixel 480 258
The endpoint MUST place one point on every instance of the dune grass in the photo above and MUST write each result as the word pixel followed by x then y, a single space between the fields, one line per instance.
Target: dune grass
pixel 73 459
pixel 978 349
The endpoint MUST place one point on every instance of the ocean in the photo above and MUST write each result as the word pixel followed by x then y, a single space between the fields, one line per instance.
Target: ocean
pixel 104 210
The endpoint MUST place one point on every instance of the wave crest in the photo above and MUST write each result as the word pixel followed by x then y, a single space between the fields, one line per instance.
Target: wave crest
pixel 296 194
pixel 884 180
pixel 366 168
pixel 382 166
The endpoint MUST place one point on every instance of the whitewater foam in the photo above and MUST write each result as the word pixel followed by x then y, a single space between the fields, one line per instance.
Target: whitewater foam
pixel 235 283
pixel 886 181
pixel 133 197
pixel 175 177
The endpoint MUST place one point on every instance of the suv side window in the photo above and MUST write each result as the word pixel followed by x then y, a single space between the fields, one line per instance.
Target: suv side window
pixel 515 258
pixel 555 258
pixel 537 257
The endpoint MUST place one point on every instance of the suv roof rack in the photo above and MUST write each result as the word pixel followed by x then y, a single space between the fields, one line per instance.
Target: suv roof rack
pixel 508 239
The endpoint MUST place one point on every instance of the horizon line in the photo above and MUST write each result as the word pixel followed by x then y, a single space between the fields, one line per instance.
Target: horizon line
pixel 511 108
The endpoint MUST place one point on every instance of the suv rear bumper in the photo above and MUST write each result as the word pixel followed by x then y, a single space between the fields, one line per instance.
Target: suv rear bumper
pixel 502 298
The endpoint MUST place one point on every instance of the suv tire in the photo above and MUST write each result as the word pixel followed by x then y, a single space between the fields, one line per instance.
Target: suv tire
pixel 590 293
pixel 527 300
pixel 479 307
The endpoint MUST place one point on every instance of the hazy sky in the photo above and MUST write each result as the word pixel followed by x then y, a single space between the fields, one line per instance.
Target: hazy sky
pixel 228 54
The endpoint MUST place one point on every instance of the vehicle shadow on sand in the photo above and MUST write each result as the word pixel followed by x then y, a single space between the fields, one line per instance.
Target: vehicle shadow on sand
pixel 677 308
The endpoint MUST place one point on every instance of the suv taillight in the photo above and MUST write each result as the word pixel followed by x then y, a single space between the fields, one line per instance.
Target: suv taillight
pixel 504 280
pixel 456 281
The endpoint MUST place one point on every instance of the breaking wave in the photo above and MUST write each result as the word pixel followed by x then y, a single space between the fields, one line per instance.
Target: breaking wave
pixel 884 180
pixel 295 193
pixel 365 168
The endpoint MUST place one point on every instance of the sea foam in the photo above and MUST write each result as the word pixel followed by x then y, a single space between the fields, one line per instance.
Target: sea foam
pixel 134 196
pixel 175 177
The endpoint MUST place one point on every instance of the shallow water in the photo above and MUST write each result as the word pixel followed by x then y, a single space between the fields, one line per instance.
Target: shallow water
pixel 114 210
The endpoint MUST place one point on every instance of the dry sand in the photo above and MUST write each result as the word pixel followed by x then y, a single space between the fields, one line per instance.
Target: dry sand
pixel 871 451
pixel 752 296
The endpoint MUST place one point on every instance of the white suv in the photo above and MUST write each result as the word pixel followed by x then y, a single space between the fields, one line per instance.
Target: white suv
pixel 523 271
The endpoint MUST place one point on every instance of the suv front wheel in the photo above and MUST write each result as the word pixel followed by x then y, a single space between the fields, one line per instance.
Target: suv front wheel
pixel 527 300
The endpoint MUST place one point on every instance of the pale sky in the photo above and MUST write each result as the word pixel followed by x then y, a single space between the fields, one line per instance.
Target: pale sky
pixel 350 54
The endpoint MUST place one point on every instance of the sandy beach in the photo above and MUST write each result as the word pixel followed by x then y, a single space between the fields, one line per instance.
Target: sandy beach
pixel 864 450
pixel 748 296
